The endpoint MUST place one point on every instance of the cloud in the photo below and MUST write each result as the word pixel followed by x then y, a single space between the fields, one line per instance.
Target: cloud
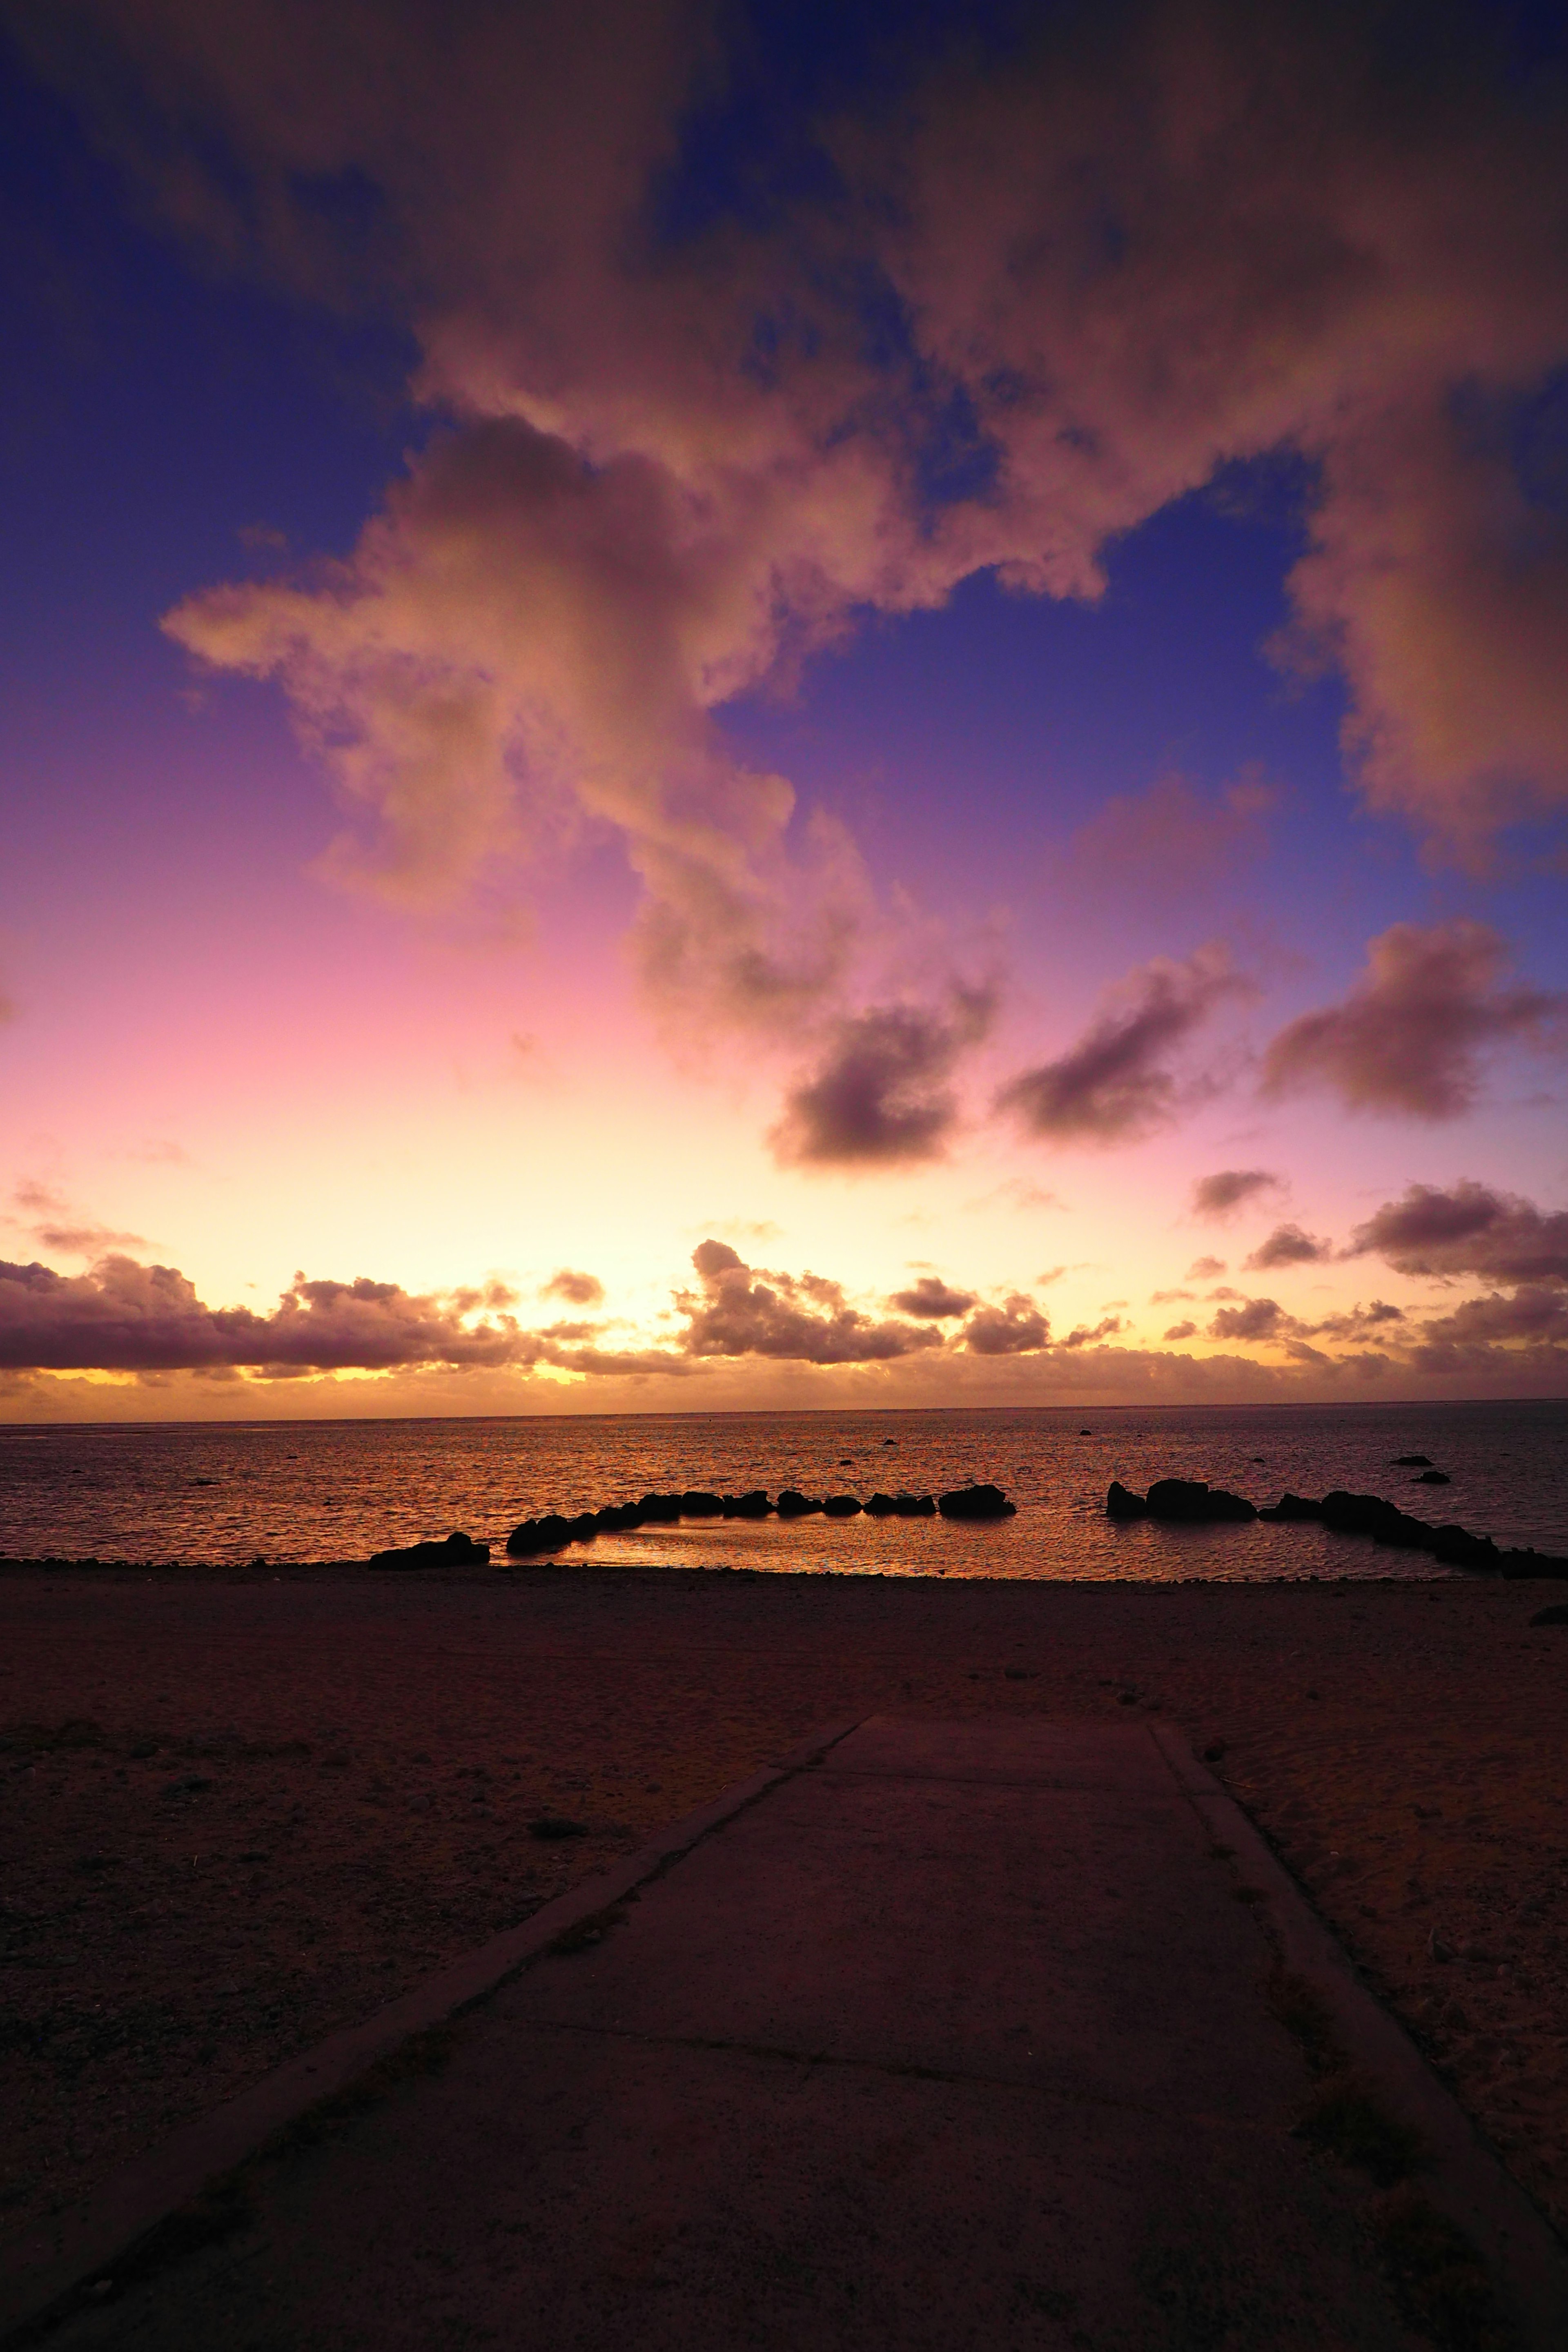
pixel 1258 1318
pixel 1169 841
pixel 1287 1245
pixel 1181 1331
pixel 931 1299
pixel 1168 1297
pixel 1016 1328
pixel 1050 291
pixel 577 1289
pixel 1469 1229
pixel 1205 1269
pixel 880 1095
pixel 57 1229
pixel 1408 1037
pixel 122 1317
pixel 1220 1195
pixel 1082 1336
pixel 740 1311
pixel 1116 1084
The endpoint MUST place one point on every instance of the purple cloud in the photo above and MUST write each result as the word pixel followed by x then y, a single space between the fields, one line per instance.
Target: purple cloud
pixel 1409 1036
pixel 1016 1328
pixel 577 1289
pixel 1287 1245
pixel 1220 1195
pixel 881 1097
pixel 741 1311
pixel 1117 1083
pixel 1469 1229
pixel 931 1300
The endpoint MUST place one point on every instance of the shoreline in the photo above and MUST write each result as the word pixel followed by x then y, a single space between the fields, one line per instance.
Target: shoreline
pixel 244 1806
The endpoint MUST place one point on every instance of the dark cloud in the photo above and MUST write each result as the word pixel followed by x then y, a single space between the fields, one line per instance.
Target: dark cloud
pixel 741 1311
pixel 1016 1328
pixel 122 1317
pixel 1357 1321
pixel 881 1095
pixel 577 1289
pixel 1117 1082
pixel 1221 1194
pixel 1534 1313
pixel 1409 1036
pixel 1255 1319
pixel 1181 1331
pixel 1287 1245
pixel 1082 1336
pixel 931 1299
pixel 1468 1229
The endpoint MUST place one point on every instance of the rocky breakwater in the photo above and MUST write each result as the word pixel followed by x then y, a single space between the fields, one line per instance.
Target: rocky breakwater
pixel 456 1550
pixel 533 1538
pixel 1363 1515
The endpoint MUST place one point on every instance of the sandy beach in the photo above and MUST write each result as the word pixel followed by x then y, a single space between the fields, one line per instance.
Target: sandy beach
pixel 239 1810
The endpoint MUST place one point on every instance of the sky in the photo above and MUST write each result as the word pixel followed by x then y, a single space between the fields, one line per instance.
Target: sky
pixel 711 707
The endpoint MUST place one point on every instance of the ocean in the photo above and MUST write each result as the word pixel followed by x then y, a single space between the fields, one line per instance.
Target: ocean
pixel 311 1491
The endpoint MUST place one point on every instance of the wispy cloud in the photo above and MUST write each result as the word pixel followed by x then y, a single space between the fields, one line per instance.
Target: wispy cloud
pixel 1119 1081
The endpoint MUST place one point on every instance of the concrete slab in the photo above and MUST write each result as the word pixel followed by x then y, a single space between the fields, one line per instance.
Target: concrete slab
pixel 956 2039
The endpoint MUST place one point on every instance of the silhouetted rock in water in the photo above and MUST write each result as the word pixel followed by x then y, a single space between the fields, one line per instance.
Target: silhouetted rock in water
pixel 793 1505
pixel 1193 1501
pixel 547 1534
pixel 1432 1478
pixel 695 1503
pixel 1087 1433
pixel 1556 1615
pixel 660 1510
pixel 975 1503
pixel 842 1507
pixel 1412 1462
pixel 616 1516
pixel 915 1506
pixel 1293 1507
pixel 456 1550
pixel 1121 1503
pixel 752 1505
pixel 881 1506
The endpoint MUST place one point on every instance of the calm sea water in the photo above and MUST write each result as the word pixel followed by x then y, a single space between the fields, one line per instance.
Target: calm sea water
pixel 310 1491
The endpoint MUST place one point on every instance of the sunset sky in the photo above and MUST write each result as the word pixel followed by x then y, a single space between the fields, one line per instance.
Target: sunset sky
pixel 776 705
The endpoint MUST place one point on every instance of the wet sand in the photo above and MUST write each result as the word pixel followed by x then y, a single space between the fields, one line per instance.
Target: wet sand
pixel 239 1811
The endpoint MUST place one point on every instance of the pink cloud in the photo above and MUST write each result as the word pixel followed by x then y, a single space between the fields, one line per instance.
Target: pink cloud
pixel 1118 1082
pixel 880 1094
pixel 1409 1036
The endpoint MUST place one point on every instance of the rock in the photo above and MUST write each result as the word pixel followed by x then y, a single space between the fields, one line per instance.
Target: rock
pixel 1121 1503
pixel 793 1505
pixel 842 1507
pixel 616 1516
pixel 456 1550
pixel 1556 1615
pixel 983 1502
pixel 914 1506
pixel 753 1505
pixel 1432 1478
pixel 1413 1462
pixel 697 1504
pixel 547 1534
pixel 555 1825
pixel 1293 1507
pixel 881 1506
pixel 662 1510
pixel 1193 1501
pixel 1086 1432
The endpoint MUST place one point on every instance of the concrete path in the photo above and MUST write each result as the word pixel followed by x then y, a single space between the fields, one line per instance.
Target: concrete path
pixel 957 2040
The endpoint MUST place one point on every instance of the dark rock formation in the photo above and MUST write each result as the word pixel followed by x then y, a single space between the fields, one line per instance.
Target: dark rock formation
pixel 982 1502
pixel 1293 1507
pixel 456 1550
pixel 752 1506
pixel 881 1506
pixel 1193 1500
pixel 842 1507
pixel 1121 1503
pixel 549 1533
pixel 915 1506
pixel 660 1510
pixel 1556 1615
pixel 1413 1462
pixel 793 1505
pixel 695 1504
pixel 1432 1478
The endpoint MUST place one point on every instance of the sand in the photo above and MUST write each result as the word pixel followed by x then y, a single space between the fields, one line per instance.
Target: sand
pixel 239 1810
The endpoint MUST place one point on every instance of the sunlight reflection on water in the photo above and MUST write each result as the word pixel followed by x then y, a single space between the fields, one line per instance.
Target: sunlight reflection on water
pixel 338 1490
